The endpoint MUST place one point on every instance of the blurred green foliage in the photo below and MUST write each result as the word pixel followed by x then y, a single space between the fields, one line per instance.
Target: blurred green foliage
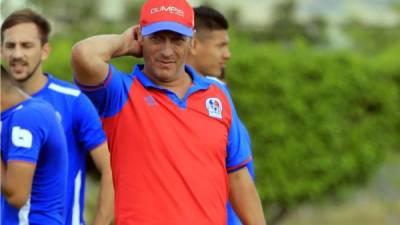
pixel 320 121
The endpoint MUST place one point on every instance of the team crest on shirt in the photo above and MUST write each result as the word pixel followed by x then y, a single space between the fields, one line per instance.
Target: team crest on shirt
pixel 214 107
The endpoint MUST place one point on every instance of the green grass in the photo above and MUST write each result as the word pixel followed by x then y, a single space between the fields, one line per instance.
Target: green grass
pixel 376 204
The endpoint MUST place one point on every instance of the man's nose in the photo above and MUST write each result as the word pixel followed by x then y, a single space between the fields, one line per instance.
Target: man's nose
pixel 226 54
pixel 167 48
pixel 17 52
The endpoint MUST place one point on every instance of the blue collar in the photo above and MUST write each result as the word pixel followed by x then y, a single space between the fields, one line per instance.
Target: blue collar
pixel 198 82
pixel 49 79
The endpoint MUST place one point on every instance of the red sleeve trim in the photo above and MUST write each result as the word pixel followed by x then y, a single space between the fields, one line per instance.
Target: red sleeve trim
pixel 95 87
pixel 241 165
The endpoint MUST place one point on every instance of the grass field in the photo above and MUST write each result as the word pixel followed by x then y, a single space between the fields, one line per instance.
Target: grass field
pixel 376 204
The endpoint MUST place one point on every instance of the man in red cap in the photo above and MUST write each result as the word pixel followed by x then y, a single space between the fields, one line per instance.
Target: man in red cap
pixel 177 152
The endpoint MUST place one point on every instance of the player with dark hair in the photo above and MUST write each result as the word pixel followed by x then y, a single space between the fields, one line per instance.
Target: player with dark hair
pixel 24 47
pixel 211 51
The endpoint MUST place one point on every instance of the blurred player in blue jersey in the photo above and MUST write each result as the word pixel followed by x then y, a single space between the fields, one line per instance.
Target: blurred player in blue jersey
pixel 209 56
pixel 24 47
pixel 33 159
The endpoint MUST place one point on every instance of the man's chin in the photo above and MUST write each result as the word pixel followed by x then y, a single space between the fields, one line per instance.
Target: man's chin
pixel 19 77
pixel 216 74
pixel 165 72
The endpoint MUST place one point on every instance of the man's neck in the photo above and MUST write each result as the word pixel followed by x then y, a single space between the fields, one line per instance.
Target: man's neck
pixel 34 84
pixel 179 86
pixel 11 98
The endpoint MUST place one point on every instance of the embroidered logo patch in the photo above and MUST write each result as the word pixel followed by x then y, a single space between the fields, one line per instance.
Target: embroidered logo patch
pixel 214 107
pixel 150 100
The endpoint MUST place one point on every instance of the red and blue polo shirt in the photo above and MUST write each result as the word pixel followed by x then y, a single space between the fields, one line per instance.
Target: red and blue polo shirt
pixel 170 156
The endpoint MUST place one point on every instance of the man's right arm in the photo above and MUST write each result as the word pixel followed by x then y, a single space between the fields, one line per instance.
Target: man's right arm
pixel 244 198
pixel 16 182
pixel 90 57
pixel 24 141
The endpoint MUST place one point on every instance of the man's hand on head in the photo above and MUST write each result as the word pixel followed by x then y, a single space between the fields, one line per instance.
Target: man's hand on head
pixel 132 39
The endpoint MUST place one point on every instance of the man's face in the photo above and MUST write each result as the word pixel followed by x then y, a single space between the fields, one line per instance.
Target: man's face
pixel 22 51
pixel 164 54
pixel 211 52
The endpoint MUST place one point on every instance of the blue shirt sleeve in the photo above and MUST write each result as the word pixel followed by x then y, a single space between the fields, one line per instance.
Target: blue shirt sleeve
pixel 87 124
pixel 239 149
pixel 29 130
pixel 239 153
pixel 110 96
pixel 250 165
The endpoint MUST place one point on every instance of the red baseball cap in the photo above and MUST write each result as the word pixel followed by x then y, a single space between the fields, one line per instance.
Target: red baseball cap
pixel 172 15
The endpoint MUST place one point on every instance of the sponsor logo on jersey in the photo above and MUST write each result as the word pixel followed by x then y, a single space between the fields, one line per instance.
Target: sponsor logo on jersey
pixel 21 137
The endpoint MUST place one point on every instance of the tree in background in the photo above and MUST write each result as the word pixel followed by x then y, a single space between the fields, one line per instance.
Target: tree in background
pixel 321 123
pixel 371 38
pixel 284 26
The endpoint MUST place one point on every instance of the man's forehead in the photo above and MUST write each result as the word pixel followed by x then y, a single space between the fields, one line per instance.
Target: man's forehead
pixel 213 35
pixel 21 39
pixel 22 32
pixel 23 26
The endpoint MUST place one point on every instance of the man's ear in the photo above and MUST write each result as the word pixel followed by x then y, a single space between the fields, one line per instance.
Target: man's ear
pixel 194 39
pixel 137 34
pixel 46 49
pixel 193 45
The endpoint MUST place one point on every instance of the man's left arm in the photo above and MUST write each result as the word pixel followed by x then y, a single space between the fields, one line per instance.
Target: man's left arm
pixel 105 202
pixel 93 140
pixel 244 198
pixel 2 170
pixel 16 182
pixel 242 191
